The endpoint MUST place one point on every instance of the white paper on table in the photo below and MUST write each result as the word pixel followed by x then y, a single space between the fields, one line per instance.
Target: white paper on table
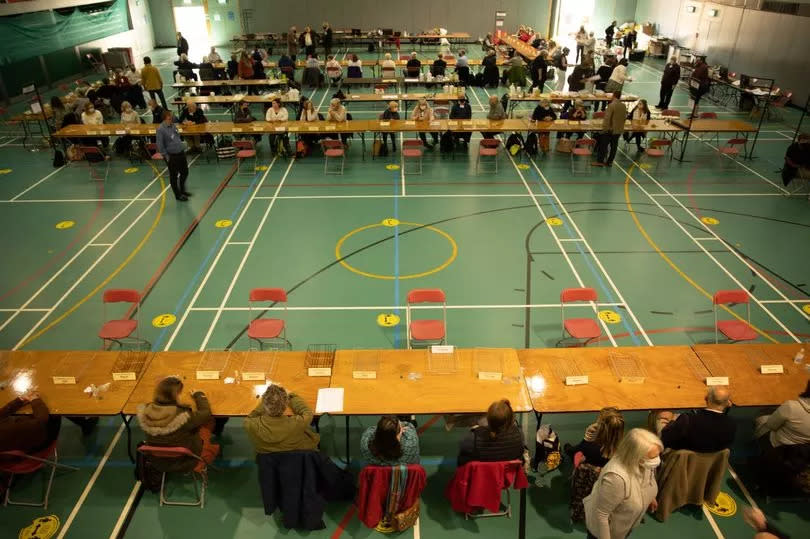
pixel 330 399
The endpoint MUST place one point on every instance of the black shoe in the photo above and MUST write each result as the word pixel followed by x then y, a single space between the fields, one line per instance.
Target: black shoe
pixel 181 198
pixel 186 193
pixel 640 149
pixel 659 107
pixel 88 425
pixel 429 146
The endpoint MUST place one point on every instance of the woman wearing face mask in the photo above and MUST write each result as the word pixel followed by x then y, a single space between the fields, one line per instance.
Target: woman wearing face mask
pixel 92 116
pixel 626 487
pixel 423 113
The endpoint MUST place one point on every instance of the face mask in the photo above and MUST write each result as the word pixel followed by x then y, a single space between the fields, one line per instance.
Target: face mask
pixel 651 464
pixel 91 110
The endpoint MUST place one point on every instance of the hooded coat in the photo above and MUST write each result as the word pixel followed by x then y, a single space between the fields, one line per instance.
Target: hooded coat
pixel 174 425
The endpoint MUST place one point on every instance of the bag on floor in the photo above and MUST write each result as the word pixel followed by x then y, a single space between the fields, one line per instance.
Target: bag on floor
pixel 479 80
pixel 58 159
pixel 547 456
pixel 564 145
pixel 544 142
pixel 74 153
pixel 530 146
pixel 446 142
pixel 514 143
pixel 301 149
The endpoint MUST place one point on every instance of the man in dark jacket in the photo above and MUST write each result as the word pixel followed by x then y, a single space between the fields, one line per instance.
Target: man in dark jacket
pixel 308 40
pixel 461 110
pixel 797 157
pixel 27 433
pixel 157 111
pixel 182 44
pixel 439 66
pixel 327 38
pixel 699 83
pixel 706 431
pixel 609 34
pixel 414 66
pixel 605 71
pixel 670 78
pixel 539 71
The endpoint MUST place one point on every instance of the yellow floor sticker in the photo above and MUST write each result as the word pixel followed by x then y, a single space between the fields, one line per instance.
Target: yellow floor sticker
pixel 5 171
pixel 390 222
pixel 725 506
pixel 554 221
pixel 223 223
pixel 710 220
pixel 164 320
pixel 41 528
pixel 387 320
pixel 392 167
pixel 523 166
pixel 806 308
pixel 61 225
pixel 261 167
pixel 131 170
pixel 610 317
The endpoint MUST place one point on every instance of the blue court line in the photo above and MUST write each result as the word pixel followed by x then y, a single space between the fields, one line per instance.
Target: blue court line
pixel 396 258
pixel 193 281
pixel 585 256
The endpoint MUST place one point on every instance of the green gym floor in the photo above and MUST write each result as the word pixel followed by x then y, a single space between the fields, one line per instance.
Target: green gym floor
pixel 633 233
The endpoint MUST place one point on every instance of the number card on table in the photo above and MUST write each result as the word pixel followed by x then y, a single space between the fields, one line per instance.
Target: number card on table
pixel 488 363
pixel 319 359
pixel 72 366
pixel 212 364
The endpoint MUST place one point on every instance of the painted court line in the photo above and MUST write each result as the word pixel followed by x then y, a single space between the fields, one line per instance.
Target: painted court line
pixel 337 197
pixel 665 195
pixel 71 200
pixel 413 307
pixel 37 183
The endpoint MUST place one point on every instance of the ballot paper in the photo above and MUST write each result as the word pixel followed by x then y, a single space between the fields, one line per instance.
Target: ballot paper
pixel 330 400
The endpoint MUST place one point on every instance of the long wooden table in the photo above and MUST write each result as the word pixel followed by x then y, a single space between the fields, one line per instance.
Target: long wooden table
pixel 219 83
pixel 714 126
pixel 522 48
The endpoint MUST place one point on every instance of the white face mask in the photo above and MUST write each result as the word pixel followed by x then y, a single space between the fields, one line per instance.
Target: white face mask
pixel 651 464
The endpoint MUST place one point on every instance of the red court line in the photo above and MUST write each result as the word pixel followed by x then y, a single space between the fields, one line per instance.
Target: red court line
pixel 429 423
pixel 687 329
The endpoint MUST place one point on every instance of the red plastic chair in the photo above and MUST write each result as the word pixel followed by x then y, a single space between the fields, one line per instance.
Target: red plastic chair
pixel 118 331
pixel 487 154
pixel 245 149
pixel 472 487
pixel 581 153
pixel 179 453
pixel 779 103
pixel 670 113
pixel 334 153
pixel 411 154
pixel 733 330
pixel 598 115
pixel 583 329
pixel 426 332
pixel 731 149
pixel 268 329
pixel 152 150
pixel 21 463
pixel 94 155
pixel 657 150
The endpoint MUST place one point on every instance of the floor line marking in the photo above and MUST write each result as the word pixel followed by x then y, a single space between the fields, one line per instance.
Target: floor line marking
pixel 71 200
pixel 784 301
pixel 127 508
pixel 744 490
pixel 37 183
pixel 445 195
pixel 245 256
pixel 89 486
pixel 717 195
pixel 413 307
pixel 712 522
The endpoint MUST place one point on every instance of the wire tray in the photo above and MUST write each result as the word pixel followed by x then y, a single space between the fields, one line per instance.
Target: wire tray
pixel 366 361
pixel 214 361
pixel 697 367
pixel 320 356
pixel 563 368
pixel 626 367
pixel 488 360
pixel 131 361
pixel 442 363
pixel 259 365
pixel 72 365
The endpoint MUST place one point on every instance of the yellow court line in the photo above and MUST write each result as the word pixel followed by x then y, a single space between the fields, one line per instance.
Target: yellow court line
pixel 672 264
pixel 115 272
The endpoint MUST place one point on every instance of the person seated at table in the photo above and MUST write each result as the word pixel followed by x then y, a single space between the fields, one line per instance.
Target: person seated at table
pixel 797 157
pixel 128 114
pixel 487 45
pixel 80 101
pixel 491 73
pixel 276 113
pixel 333 69
pixel 414 67
pixel 157 111
pixel 206 69
pixel 500 439
pixel 657 420
pixel 789 424
pixel 308 113
pixel 705 431
pixel 354 68
pixel 271 431
pixel 233 67
pixel 167 422
pixel 287 66
pixel 641 114
pixel 390 443
pixel 191 115
pixel 461 110
pixel 388 66
pixel 92 116
pixel 439 66
pixel 213 56
pixel 391 113
pixel 422 112
pixel 496 112
pixel 243 115
pixel 28 433
pixel 185 67
pixel 579 114
pixel 601 438
pixel 337 113
pixel 544 112
pixel 256 55
pixel 245 68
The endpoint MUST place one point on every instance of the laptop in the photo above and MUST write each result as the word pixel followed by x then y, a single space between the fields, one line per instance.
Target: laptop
pixel 356 31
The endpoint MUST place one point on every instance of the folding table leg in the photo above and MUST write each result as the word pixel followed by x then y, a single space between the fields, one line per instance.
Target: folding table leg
pixel 129 436
pixel 348 445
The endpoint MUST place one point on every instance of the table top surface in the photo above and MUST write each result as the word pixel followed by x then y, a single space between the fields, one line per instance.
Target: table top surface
pixel 669 380
pixel 229 82
pixel 228 399
pixel 345 34
pixel 568 96
pixel 85 366
pixel 523 48
pixel 741 363
pixel 716 126
pixel 418 382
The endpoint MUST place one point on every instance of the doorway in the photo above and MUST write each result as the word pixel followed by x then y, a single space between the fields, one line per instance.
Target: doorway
pixel 190 21
pixel 572 14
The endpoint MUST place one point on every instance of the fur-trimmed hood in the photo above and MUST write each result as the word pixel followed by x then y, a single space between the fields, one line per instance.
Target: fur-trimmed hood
pixel 162 419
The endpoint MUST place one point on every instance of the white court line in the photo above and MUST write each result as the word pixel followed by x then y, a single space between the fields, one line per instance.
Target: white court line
pixel 702 248
pixel 214 263
pixel 783 301
pixel 127 508
pixel 70 200
pixel 571 239
pixel 712 523
pixel 23 310
pixel 716 195
pixel 245 256
pixel 745 492
pixel 238 243
pixel 706 239
pixel 100 244
pixel 37 183
pixel 413 307
pixel 337 197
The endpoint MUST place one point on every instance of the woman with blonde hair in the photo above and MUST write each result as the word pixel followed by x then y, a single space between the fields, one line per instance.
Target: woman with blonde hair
pixel 601 438
pixel 423 113
pixel 626 487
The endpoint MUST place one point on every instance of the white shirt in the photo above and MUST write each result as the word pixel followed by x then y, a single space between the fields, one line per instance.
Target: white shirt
pixel 214 58
pixel 358 63
pixel 619 74
pixel 92 119
pixel 130 117
pixel 639 114
pixel 389 64
pixel 133 77
pixel 333 67
pixel 281 116
pixel 308 39
pixel 309 115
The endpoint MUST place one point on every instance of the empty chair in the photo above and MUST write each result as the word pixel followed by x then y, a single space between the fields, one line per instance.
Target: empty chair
pixel 581 156
pixel 736 329
pixel 583 329
pixel 412 153
pixel 120 330
pixel 200 469
pixel 657 151
pixel 487 158
pixel 245 149
pixel 267 329
pixel 335 154
pixel 426 331
pixel 97 163
pixel 22 463
pixel 731 148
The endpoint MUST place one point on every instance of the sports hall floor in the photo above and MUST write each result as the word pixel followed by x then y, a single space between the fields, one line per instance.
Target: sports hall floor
pixel 632 233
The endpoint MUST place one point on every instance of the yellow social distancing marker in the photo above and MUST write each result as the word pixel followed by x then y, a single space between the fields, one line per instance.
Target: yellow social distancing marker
pixel 387 320
pixel 724 506
pixel 41 528
pixel 709 220
pixel 390 222
pixel 131 170
pixel 646 166
pixel 554 221
pixel 260 167
pixel 523 166
pixel 223 223
pixel 164 320
pixel 611 317
pixel 5 171
pixel 392 167
pixel 806 308
pixel 61 225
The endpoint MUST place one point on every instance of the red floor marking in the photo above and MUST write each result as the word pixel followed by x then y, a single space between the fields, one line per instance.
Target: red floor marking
pixel 687 329
pixel 429 423
pixel 61 254
pixel 344 522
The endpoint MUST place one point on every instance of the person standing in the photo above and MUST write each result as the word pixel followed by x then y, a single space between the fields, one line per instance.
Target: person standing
pixel 292 43
pixel 182 44
pixel 308 41
pixel 612 129
pixel 171 147
pixel 581 37
pixel 327 39
pixel 629 42
pixel 151 81
pixel 609 31
pixel 698 84
pixel 539 71
pixel 670 78
pixel 618 77
pixel 590 44
pixel 561 66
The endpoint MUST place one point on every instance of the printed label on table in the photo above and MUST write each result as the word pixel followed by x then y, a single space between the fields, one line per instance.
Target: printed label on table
pixel 105 132
pixel 64 380
pixel 364 375
pixel 771 369
pixel 280 128
pixel 387 96
pixel 410 122
pixel 124 376
pixel 385 124
pixel 330 128
pixel 312 128
pixel 355 96
pixel 435 124
pixel 207 375
pixel 717 380
pixel 259 129
pixel 319 371
pixel 292 128
pixel 120 131
pixel 466 122
pixel 253 376
pixel 237 129
pixel 576 380
pixel 484 375
pixel 632 379
pixel 442 349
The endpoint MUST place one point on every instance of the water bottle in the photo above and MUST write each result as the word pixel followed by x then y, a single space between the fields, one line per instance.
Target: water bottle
pixel 799 357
